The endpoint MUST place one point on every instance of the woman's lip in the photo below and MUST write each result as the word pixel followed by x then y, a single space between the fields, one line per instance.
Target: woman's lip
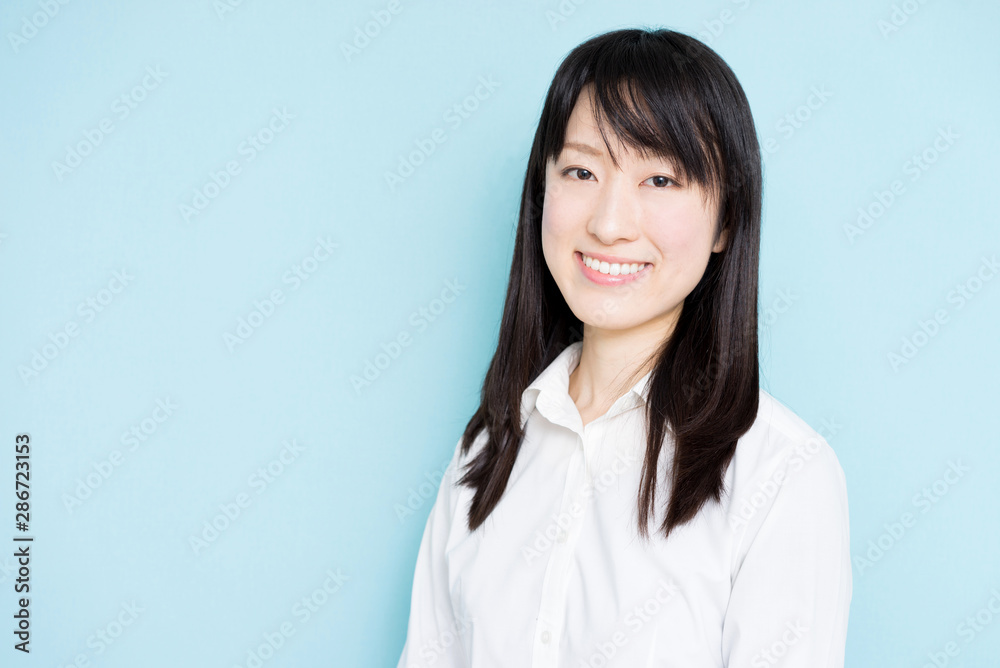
pixel 607 279
pixel 612 259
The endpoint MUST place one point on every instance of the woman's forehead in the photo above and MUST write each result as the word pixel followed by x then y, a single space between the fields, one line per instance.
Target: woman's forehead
pixel 594 147
pixel 590 135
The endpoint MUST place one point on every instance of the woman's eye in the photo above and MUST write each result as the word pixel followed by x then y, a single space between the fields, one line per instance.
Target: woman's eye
pixel 660 181
pixel 582 174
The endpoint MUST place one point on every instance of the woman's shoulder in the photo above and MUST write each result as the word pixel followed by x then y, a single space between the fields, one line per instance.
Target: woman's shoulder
pixel 778 433
pixel 781 455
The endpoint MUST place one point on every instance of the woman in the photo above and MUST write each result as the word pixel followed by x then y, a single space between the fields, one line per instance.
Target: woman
pixel 623 393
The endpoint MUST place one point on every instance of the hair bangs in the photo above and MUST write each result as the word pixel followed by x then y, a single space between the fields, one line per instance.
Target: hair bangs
pixel 647 100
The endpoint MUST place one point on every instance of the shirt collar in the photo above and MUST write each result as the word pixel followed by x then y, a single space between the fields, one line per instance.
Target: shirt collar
pixel 549 392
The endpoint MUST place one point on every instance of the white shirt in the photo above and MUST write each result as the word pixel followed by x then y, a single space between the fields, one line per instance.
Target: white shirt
pixel 557 575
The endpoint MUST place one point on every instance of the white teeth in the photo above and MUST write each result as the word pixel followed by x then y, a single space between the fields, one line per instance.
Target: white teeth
pixel 614 269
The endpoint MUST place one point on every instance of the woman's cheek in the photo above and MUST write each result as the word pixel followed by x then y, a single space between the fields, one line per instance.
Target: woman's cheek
pixel 681 233
pixel 550 243
pixel 559 222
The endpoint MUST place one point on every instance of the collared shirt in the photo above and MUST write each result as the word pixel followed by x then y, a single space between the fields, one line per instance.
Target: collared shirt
pixel 557 576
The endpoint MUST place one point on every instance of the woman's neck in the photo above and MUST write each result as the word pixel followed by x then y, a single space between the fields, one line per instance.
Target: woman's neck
pixel 611 361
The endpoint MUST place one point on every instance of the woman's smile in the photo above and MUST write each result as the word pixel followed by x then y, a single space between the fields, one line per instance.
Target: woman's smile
pixel 603 272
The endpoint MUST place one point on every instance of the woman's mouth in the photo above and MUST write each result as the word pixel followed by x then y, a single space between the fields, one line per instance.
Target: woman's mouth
pixel 604 272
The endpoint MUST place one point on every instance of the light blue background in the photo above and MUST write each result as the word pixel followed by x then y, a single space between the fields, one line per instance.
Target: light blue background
pixel 846 305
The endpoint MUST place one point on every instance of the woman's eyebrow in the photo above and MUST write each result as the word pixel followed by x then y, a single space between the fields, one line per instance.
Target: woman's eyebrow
pixel 597 153
pixel 583 148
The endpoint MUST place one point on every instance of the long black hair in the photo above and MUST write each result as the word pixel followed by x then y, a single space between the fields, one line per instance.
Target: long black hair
pixel 667 93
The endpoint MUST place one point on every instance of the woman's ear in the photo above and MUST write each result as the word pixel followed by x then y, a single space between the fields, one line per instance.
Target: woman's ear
pixel 722 242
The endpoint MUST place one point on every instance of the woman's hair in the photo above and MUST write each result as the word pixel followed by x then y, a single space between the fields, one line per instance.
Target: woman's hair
pixel 667 94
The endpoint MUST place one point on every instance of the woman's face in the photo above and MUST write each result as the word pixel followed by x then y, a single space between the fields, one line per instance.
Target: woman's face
pixel 650 233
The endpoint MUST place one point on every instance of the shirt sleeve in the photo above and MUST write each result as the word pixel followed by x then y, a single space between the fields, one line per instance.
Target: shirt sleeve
pixel 791 595
pixel 434 636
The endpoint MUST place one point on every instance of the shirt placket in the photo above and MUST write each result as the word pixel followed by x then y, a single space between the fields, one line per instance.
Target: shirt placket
pixel 551 612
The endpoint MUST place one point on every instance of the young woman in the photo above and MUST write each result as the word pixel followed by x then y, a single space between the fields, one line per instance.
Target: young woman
pixel 624 394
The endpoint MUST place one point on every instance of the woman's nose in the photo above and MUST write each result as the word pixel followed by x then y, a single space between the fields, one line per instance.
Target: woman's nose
pixel 615 215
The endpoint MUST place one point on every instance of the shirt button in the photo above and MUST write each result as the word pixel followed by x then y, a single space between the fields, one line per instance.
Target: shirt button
pixel 546 636
pixel 561 537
